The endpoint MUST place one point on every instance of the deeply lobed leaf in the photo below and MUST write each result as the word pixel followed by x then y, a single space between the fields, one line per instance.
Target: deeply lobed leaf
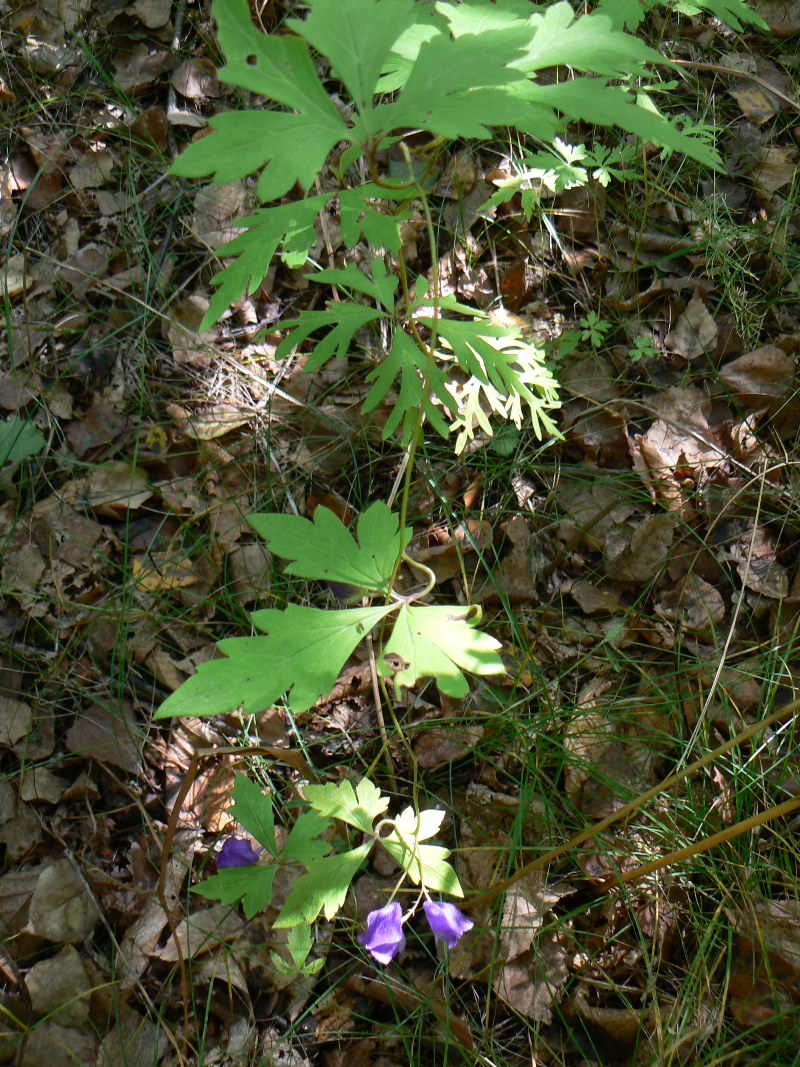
pixel 301 656
pixel 435 642
pixel 326 550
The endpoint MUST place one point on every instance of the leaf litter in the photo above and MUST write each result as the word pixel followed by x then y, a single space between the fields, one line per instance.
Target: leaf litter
pixel 662 556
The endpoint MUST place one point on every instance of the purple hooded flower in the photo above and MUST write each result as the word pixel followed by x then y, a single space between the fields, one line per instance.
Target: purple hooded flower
pixel 236 853
pixel 446 921
pixel 384 937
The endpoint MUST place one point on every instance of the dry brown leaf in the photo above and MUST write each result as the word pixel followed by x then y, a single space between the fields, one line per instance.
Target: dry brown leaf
pixel 637 554
pixel 142 936
pixel 15 278
pixel 108 736
pixel 63 534
pixel 534 982
pixel 760 377
pixel 58 1046
pixel 531 968
pixel 153 13
pixel 138 67
pixel 181 330
pixel 593 600
pixel 202 932
pixel 250 571
pixel 216 421
pixel 133 1040
pixel 441 744
pixel 150 130
pixel 62 908
pixel 694 606
pixel 196 79
pixel 695 332
pixel 215 206
pixel 41 784
pixel 92 170
pixel 755 103
pixel 112 489
pixel 23 569
pixel 161 572
pixel 776 168
pixel 60 987
pixel 20 829
pixel 15 720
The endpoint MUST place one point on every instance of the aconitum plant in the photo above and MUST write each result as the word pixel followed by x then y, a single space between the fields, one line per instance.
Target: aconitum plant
pixel 330 861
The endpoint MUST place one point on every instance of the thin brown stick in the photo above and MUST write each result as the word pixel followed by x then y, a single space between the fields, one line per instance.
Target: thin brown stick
pixel 490 894
pixel 714 68
pixel 728 834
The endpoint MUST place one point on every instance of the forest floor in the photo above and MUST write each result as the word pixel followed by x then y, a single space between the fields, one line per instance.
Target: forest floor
pixel 642 575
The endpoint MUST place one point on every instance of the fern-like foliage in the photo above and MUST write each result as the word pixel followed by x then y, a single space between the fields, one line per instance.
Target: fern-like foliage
pixel 456 70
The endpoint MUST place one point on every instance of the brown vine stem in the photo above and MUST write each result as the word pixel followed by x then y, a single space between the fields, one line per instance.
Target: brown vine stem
pixel 707 843
pixel 490 894
pixel 714 68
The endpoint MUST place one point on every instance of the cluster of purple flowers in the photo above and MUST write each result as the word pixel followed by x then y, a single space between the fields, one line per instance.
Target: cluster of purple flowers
pixel 384 938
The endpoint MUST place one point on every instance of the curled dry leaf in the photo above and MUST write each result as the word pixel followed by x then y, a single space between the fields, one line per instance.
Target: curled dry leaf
pixel 694 606
pixel 196 79
pixel 760 377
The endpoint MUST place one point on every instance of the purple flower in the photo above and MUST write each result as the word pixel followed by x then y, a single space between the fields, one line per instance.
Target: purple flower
pixel 384 937
pixel 446 921
pixel 236 853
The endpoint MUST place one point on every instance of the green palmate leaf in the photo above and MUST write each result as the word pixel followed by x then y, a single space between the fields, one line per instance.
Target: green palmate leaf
pixel 357 36
pixel 252 809
pixel 293 145
pixel 469 79
pixel 323 889
pixel 734 13
pixel 378 225
pixel 250 885
pixel 326 550
pixel 427 865
pixel 289 227
pixel 434 642
pixel 589 43
pixel 358 807
pixel 302 655
pixel 412 827
pixel 380 287
pixel 408 363
pixel 344 319
pixel 626 14
pixel 19 440
pixel 299 942
pixel 302 844
pixel 583 99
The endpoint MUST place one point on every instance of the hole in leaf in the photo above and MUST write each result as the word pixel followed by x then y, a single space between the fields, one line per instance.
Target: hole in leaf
pixel 251 60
